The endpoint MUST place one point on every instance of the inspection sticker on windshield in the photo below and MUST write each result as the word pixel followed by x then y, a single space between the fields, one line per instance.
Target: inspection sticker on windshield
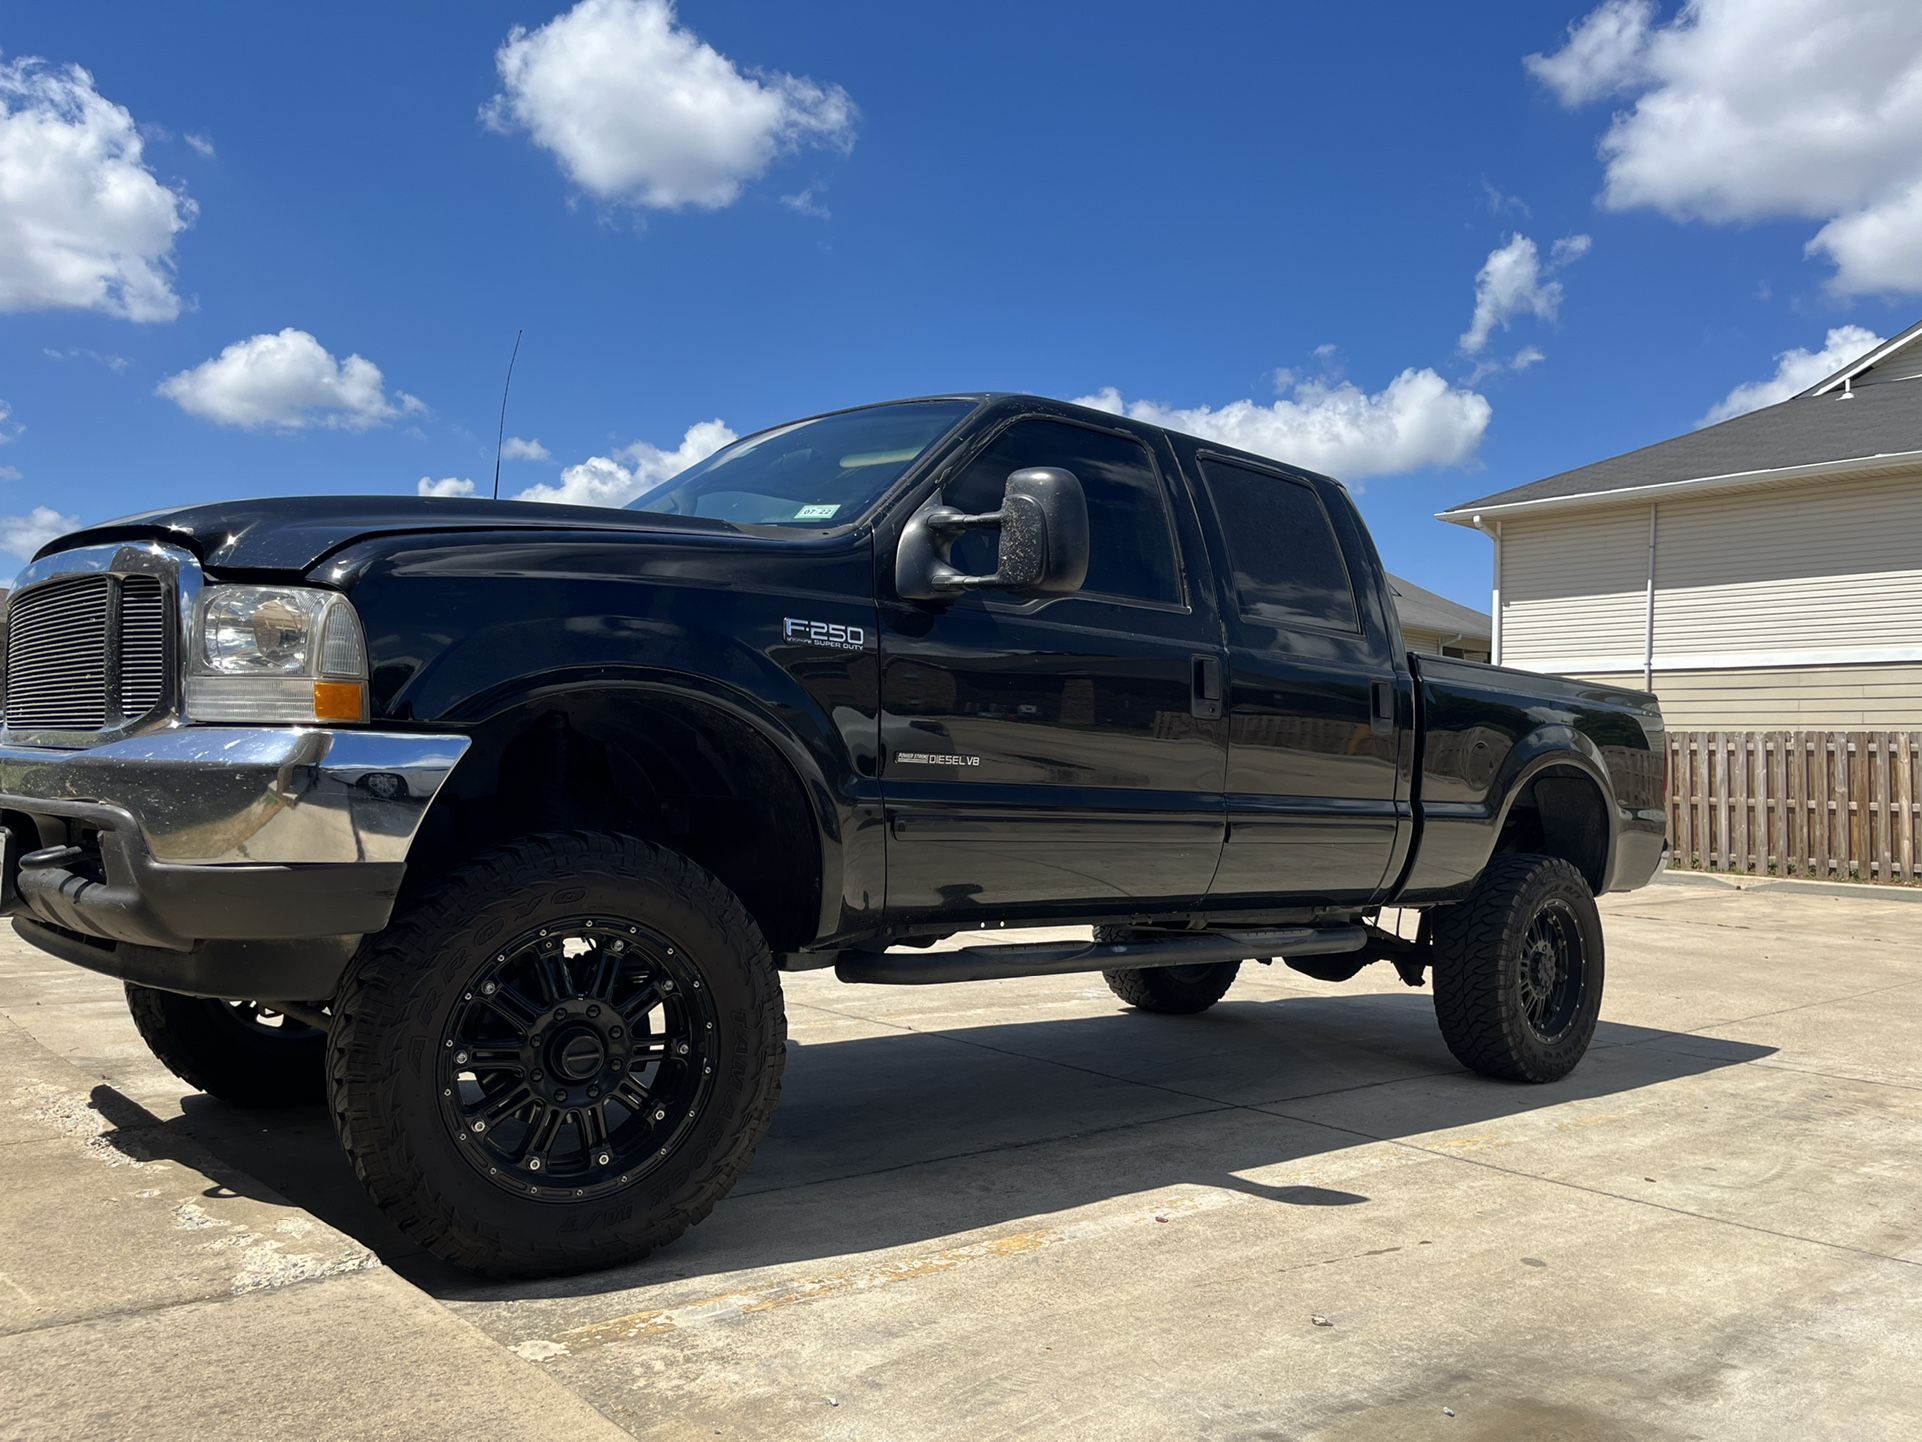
pixel 815 513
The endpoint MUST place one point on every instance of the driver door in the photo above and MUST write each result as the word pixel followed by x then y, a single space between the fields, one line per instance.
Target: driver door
pixel 1059 752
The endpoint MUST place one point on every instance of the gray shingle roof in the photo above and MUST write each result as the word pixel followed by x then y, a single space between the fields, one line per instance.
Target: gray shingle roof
pixel 1874 421
pixel 1426 611
pixel 1824 423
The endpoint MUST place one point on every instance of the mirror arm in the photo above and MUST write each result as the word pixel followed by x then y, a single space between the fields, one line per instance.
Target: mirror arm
pixel 948 520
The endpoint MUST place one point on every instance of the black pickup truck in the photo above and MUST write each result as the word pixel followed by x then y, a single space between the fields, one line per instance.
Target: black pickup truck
pixel 495 824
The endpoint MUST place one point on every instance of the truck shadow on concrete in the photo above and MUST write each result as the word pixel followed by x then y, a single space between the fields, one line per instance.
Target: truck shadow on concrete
pixel 894 1137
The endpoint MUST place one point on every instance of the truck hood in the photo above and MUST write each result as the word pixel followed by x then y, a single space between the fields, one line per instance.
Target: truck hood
pixel 296 532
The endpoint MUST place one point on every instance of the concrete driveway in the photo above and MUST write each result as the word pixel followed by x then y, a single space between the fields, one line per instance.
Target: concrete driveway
pixel 1016 1210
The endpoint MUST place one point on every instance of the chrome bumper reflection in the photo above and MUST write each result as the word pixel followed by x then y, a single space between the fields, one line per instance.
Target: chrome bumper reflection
pixel 215 795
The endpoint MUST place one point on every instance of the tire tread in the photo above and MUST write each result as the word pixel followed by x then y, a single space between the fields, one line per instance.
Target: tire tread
pixel 362 1068
pixel 1471 939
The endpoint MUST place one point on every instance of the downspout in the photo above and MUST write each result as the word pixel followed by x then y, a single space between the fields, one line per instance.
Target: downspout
pixel 1648 635
pixel 1495 617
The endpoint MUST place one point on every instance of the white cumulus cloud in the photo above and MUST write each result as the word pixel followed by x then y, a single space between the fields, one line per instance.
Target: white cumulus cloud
pixel 445 486
pixel 1795 371
pixel 23 535
pixel 286 381
pixel 1514 281
pixel 637 108
pixel 631 471
pixel 84 224
pixel 9 429
pixel 518 449
pixel 1603 53
pixel 1417 420
pixel 1748 110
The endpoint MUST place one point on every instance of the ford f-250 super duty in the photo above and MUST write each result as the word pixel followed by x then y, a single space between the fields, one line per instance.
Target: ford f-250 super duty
pixel 495 824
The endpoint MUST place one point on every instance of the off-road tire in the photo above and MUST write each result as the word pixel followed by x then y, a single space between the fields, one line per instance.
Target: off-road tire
pixel 1481 947
pixel 405 984
pixel 220 1048
pixel 1170 990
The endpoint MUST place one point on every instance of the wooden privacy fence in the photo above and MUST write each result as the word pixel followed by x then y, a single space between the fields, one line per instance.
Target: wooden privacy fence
pixel 1797 803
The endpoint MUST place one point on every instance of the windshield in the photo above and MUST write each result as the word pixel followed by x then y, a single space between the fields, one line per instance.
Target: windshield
pixel 815 473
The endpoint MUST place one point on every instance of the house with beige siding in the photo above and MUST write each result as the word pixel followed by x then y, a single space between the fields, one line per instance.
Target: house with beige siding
pixel 1436 626
pixel 1760 574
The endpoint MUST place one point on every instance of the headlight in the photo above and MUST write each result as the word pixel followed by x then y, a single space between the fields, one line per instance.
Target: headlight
pixel 276 653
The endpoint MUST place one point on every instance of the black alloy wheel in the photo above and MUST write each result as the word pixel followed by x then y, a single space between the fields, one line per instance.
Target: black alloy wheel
pixel 559 1055
pixel 1553 972
pixel 578 1057
pixel 1518 968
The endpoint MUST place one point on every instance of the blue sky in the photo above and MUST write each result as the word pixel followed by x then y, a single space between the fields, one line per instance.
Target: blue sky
pixel 1177 209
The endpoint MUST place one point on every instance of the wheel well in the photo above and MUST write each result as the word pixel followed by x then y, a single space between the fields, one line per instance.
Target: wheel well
pixel 679 772
pixel 1561 812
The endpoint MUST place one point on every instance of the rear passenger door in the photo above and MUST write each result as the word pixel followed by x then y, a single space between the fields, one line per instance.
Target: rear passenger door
pixel 1313 795
pixel 1055 750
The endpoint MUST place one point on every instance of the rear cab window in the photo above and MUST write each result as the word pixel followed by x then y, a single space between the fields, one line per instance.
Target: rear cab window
pixel 1286 565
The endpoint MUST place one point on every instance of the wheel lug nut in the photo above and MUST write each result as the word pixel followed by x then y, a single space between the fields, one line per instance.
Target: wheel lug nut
pixel 480 1126
pixel 593 1011
pixel 661 1115
pixel 593 1092
pixel 618 1064
pixel 533 1164
pixel 488 988
pixel 537 1075
pixel 560 1013
pixel 615 1032
pixel 604 1158
pixel 560 1096
pixel 680 1048
pixel 460 1058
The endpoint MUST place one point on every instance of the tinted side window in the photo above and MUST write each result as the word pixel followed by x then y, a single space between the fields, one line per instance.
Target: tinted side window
pixel 1287 564
pixel 1131 549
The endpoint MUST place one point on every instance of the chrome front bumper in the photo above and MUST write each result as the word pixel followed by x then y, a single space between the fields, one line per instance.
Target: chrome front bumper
pixel 227 796
pixel 241 862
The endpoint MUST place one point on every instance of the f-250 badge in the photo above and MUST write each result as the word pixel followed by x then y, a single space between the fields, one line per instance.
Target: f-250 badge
pixel 831 634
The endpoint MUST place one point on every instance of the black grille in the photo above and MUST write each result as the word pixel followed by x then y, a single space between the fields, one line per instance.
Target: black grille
pixel 63 671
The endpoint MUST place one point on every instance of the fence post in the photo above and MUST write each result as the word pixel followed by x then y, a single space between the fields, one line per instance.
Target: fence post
pixel 1822 854
pixel 1905 789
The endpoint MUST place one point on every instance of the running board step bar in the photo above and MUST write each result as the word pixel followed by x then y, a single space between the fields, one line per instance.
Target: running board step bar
pixel 1062 958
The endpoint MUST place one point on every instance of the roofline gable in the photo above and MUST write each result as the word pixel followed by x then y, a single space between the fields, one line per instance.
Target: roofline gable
pixel 1470 514
pixel 1873 357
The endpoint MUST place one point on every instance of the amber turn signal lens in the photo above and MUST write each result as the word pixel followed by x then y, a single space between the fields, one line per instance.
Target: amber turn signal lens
pixel 339 701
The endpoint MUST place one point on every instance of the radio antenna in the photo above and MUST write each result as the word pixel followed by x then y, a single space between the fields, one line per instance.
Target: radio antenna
pixel 500 435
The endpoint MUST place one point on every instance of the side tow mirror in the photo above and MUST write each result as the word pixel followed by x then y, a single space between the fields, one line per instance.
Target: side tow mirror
pixel 1043 522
